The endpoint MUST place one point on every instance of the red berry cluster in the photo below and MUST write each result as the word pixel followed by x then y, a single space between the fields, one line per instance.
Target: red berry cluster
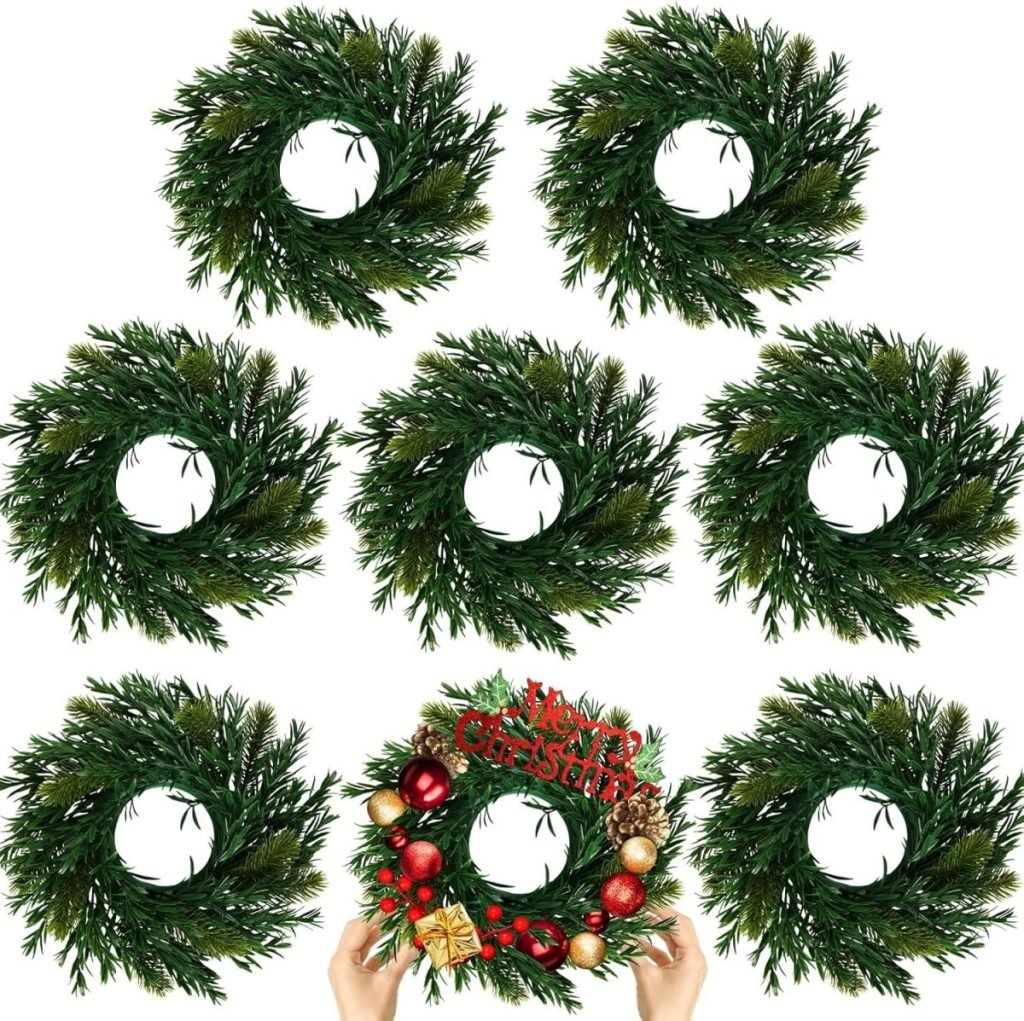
pixel 503 935
pixel 404 886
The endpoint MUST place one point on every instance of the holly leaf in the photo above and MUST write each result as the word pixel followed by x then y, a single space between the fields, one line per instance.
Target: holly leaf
pixel 493 694
pixel 645 763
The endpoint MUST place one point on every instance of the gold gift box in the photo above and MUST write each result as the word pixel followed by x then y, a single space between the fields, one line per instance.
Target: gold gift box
pixel 448 936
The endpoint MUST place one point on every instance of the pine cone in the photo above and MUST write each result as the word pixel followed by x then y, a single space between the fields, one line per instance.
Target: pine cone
pixel 429 741
pixel 639 816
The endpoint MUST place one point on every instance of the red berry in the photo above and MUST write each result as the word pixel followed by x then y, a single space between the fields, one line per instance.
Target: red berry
pixel 505 937
pixel 386 876
pixel 388 904
pixel 493 913
pixel 404 884
pixel 415 914
pixel 425 894
pixel 520 923
pixel 487 951
pixel 417 942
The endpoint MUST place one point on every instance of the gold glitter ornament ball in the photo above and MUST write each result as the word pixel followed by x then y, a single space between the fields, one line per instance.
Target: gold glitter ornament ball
pixel 385 806
pixel 586 950
pixel 638 855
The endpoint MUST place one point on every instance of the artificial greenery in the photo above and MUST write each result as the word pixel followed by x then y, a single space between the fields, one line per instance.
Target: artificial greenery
pixel 917 402
pixel 288 71
pixel 70 789
pixel 511 975
pixel 764 87
pixel 918 753
pixel 470 395
pixel 119 388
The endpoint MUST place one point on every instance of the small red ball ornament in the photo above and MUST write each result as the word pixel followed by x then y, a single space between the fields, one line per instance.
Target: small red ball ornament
pixel 421 861
pixel 386 876
pixel 425 894
pixel 596 921
pixel 487 951
pixel 505 937
pixel 404 884
pixel 492 913
pixel 417 942
pixel 520 923
pixel 388 904
pixel 415 914
pixel 545 943
pixel 623 894
pixel 424 783
pixel 396 838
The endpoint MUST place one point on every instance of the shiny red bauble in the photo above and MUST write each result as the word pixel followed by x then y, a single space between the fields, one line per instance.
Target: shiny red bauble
pixel 425 894
pixel 415 914
pixel 388 904
pixel 492 913
pixel 396 838
pixel 545 943
pixel 404 884
pixel 596 921
pixel 420 861
pixel 505 937
pixel 520 923
pixel 623 894
pixel 424 783
pixel 386 876
pixel 487 951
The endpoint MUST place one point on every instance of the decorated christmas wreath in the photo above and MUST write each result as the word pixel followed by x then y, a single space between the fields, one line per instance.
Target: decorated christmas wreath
pixel 470 396
pixel 760 86
pixel 918 403
pixel 287 72
pixel 71 788
pixel 66 521
pixel 962 824
pixel 477 745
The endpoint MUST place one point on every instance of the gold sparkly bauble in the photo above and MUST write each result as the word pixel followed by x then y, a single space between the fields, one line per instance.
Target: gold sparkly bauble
pixel 385 806
pixel 638 855
pixel 586 950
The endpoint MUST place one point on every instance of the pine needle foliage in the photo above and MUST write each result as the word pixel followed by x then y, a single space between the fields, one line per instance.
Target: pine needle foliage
pixel 610 120
pixel 271 472
pixel 512 976
pixel 68 790
pixel 812 740
pixel 420 443
pixel 764 435
pixel 283 73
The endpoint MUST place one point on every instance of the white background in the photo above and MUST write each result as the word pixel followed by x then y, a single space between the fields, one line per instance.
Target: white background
pixel 86 241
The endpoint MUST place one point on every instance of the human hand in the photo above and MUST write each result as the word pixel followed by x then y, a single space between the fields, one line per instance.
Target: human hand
pixel 366 988
pixel 668 982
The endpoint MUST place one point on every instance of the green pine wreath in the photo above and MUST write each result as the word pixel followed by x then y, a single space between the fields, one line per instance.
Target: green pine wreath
pixel 290 70
pixel 832 381
pixel 676 67
pixel 123 386
pixel 765 786
pixel 69 790
pixel 572 900
pixel 470 395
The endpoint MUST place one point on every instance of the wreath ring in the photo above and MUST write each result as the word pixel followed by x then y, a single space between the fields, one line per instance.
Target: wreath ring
pixel 290 70
pixel 270 473
pixel 72 787
pixel 469 395
pixel 764 788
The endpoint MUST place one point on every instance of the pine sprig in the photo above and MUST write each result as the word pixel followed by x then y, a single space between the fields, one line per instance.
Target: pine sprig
pixel 591 857
pixel 236 119
pixel 763 436
pixel 470 395
pixel 611 119
pixel 124 738
pixel 918 755
pixel 124 385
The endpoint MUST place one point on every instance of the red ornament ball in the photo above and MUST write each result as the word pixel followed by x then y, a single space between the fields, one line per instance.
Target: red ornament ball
pixel 520 923
pixel 415 914
pixel 421 861
pixel 596 921
pixel 404 884
pixel 396 838
pixel 505 937
pixel 386 876
pixel 545 943
pixel 424 783
pixel 492 913
pixel 417 942
pixel 388 904
pixel 487 951
pixel 425 894
pixel 623 894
